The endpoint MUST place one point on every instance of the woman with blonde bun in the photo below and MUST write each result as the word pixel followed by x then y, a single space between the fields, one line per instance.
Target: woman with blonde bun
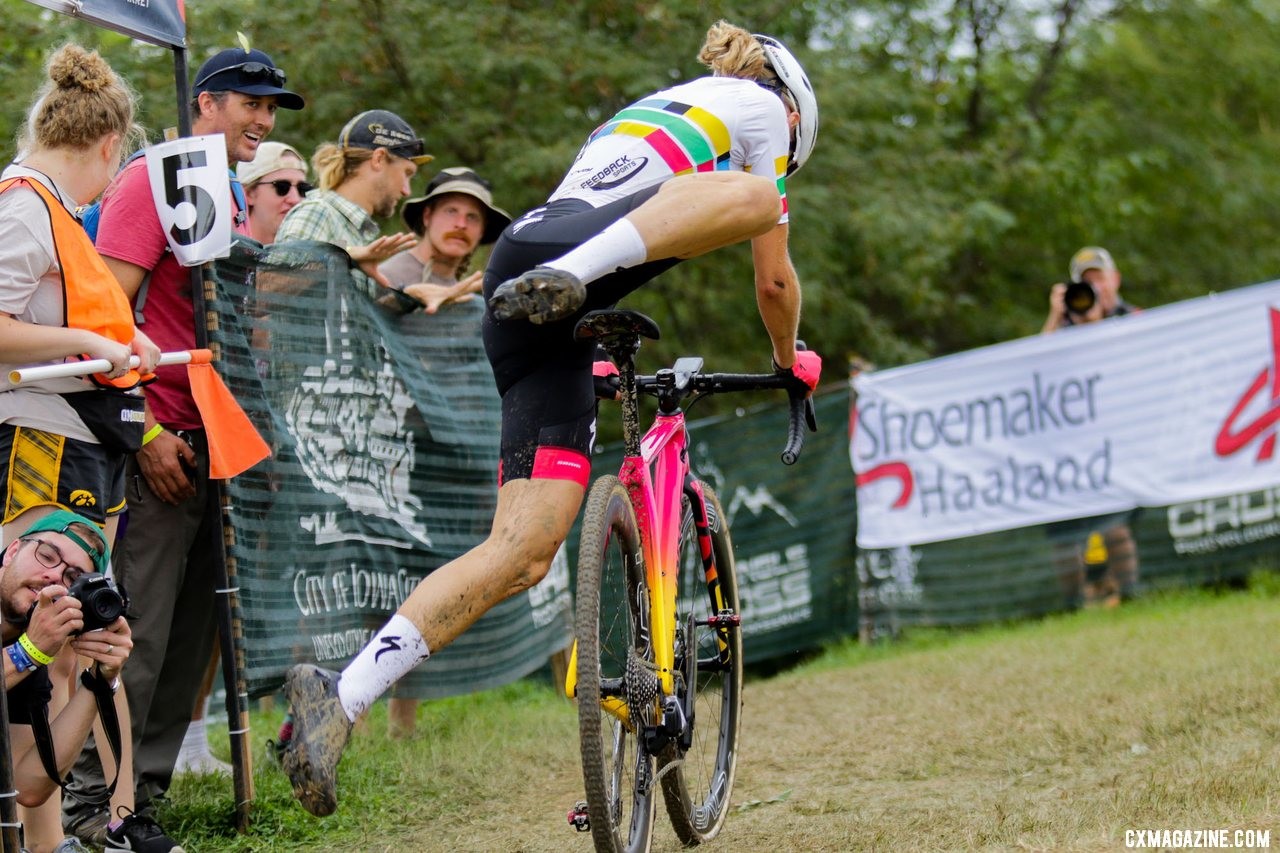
pixel 64 441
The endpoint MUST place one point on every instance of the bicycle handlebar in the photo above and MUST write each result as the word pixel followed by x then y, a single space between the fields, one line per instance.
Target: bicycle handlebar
pixel 801 412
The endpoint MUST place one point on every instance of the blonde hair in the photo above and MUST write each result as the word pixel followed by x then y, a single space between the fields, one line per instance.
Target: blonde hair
pixel 82 101
pixel 731 51
pixel 334 165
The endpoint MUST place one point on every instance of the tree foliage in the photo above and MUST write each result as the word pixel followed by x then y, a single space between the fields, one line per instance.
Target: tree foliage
pixel 968 147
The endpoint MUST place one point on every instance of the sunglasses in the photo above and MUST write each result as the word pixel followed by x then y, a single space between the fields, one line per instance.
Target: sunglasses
pixel 252 72
pixel 282 187
pixel 49 556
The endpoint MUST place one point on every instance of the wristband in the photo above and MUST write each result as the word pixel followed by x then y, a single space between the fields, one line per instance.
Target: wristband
pixel 150 434
pixel 31 649
pixel 22 662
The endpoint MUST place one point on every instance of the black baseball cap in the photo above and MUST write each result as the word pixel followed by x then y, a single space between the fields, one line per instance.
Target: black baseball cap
pixel 374 129
pixel 249 72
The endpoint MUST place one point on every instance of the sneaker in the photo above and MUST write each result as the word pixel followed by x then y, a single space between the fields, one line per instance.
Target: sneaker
pixel 541 295
pixel 139 833
pixel 88 824
pixel 70 844
pixel 320 732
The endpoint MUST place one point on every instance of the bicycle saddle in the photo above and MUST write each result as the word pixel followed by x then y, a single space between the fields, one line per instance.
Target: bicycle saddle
pixel 614 322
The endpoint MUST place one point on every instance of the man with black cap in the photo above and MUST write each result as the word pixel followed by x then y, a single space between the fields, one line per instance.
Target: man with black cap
pixel 36 570
pixel 455 216
pixel 362 178
pixel 169 551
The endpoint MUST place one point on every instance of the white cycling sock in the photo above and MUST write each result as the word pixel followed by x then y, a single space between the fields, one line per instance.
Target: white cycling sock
pixel 392 652
pixel 617 247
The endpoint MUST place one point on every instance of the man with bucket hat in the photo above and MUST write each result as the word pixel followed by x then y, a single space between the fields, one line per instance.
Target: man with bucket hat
pixel 453 218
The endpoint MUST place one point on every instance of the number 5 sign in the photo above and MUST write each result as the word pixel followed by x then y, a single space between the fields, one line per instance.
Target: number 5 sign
pixel 192 191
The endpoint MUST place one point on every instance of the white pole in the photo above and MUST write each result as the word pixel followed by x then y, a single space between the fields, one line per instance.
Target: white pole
pixel 98 365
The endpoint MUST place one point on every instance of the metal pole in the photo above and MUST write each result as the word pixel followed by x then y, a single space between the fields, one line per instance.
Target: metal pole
pixel 8 792
pixel 230 632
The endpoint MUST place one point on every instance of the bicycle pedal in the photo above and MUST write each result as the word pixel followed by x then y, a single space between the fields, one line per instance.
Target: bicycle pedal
pixel 578 818
pixel 723 619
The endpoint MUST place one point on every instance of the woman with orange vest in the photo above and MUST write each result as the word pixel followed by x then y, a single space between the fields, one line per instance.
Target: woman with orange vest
pixel 63 442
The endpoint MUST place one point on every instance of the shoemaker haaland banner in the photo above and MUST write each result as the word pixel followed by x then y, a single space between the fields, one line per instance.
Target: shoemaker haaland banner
pixel 1177 403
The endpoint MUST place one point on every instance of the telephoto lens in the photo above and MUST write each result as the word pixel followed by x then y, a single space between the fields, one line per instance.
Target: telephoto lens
pixel 1080 297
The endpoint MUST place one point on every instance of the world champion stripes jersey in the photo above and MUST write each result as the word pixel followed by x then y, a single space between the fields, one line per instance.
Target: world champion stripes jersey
pixel 705 125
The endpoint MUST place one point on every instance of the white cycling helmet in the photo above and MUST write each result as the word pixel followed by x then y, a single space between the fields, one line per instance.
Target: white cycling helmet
pixel 798 87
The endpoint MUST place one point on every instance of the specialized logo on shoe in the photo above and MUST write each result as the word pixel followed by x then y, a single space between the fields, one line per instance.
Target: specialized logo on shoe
pixel 389 644
pixel 81 497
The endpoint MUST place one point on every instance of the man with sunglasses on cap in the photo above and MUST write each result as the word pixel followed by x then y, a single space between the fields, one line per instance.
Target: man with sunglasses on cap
pixel 168 552
pixel 36 570
pixel 362 176
pixel 274 182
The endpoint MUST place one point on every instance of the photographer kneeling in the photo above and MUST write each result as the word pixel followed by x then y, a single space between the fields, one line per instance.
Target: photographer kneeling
pixel 1096 558
pixel 53 593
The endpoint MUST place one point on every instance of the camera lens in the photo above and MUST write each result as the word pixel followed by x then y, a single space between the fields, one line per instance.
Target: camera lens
pixel 1080 297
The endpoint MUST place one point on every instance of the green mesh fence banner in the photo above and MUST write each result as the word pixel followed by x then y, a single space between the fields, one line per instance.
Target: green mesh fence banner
pixel 792 526
pixel 384 436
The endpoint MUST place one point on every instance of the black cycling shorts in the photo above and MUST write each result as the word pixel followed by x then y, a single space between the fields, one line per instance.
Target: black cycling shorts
pixel 543 375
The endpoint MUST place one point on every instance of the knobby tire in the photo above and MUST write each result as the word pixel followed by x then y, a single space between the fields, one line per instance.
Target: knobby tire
pixel 611 626
pixel 697 789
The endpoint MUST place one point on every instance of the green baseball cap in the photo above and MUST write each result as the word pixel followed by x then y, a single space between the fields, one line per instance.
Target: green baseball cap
pixel 60 521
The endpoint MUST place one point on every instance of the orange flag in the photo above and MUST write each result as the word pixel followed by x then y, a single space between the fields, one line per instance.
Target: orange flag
pixel 234 444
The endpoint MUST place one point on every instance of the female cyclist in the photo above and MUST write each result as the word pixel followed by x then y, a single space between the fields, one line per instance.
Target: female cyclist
pixel 677 174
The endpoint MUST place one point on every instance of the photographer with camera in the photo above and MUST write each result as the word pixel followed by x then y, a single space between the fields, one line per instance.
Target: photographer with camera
pixel 1092 295
pixel 1096 558
pixel 53 593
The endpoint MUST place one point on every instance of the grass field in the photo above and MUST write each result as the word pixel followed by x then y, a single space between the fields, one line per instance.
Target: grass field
pixel 1054 735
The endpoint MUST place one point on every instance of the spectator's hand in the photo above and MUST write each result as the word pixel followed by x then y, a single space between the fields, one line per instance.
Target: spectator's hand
pixel 1057 307
pixel 369 256
pixel 169 464
pixel 54 619
pixel 109 647
pixel 147 352
pixel 96 346
pixel 806 369
pixel 432 296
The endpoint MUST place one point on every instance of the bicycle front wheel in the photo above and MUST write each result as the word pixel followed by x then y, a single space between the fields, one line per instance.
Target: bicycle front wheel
pixel 709 657
pixel 616 684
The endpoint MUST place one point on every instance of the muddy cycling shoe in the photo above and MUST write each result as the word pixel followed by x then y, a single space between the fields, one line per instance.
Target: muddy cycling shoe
pixel 542 295
pixel 320 732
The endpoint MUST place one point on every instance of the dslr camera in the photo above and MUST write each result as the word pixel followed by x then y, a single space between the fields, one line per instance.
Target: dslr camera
pixel 100 600
pixel 1080 297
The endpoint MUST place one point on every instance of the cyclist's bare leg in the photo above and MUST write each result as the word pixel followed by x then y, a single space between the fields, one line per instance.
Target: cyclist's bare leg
pixel 688 216
pixel 531 522
pixel 532 519
pixel 695 214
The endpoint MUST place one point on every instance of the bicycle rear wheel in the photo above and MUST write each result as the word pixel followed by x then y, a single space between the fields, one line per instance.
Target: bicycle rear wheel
pixel 616 684
pixel 697 789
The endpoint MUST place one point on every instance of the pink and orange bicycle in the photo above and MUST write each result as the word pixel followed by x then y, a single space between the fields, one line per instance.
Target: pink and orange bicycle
pixel 657 660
